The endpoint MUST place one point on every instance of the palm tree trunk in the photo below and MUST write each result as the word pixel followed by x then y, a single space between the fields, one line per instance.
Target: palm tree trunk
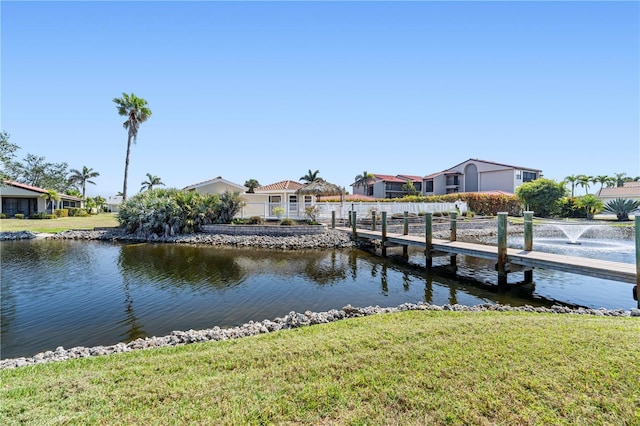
pixel 126 169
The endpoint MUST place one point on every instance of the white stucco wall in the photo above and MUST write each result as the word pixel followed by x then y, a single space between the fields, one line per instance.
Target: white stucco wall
pixel 499 180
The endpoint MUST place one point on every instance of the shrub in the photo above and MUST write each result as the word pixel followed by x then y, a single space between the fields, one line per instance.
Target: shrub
pixel 437 214
pixel 568 208
pixel 4 216
pixel 239 221
pixel 18 216
pixel 230 205
pixel 42 216
pixel 287 222
pixel 542 196
pixel 61 212
pixel 77 212
pixel 622 208
pixel 255 220
pixel 278 211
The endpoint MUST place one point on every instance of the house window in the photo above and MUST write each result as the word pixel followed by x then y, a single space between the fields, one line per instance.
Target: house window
pixel 274 201
pixel 518 174
pixel 308 200
pixel 293 203
pixel 428 186
pixel 529 176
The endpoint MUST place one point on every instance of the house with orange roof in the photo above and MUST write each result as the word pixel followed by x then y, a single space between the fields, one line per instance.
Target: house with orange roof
pixel 388 186
pixel 475 175
pixel 282 194
pixel 20 198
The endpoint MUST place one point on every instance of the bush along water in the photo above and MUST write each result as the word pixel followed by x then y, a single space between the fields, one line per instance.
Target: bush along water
pixel 171 211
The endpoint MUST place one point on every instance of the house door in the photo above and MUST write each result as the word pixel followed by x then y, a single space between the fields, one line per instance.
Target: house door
pixel 274 202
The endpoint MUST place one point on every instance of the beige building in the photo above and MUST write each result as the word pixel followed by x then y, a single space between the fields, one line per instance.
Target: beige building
pixel 20 198
pixel 629 191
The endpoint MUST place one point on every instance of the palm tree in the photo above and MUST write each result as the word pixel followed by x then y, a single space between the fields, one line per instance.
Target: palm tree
pixel 137 112
pixel 620 179
pixel 252 184
pixel 151 182
pixel 83 177
pixel 50 196
pixel 310 176
pixel 584 181
pixel 572 180
pixel 601 179
pixel 364 179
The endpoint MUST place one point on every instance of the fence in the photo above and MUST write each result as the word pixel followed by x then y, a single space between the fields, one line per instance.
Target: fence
pixel 363 209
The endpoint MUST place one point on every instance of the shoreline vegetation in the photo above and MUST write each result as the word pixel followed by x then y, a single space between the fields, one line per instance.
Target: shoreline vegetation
pixel 447 365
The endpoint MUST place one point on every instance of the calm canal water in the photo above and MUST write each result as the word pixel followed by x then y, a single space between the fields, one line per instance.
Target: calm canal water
pixel 88 293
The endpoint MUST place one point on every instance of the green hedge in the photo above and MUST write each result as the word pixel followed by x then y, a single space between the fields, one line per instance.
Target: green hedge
pixel 61 212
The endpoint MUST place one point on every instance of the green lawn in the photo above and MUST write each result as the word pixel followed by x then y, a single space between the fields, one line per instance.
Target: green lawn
pixel 60 224
pixel 418 367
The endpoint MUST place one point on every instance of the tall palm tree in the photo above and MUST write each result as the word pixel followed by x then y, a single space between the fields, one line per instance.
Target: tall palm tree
pixel 151 182
pixel 137 112
pixel 620 179
pixel 83 177
pixel 310 176
pixel 572 180
pixel 364 179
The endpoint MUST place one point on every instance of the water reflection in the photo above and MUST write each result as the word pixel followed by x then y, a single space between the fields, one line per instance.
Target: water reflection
pixel 74 293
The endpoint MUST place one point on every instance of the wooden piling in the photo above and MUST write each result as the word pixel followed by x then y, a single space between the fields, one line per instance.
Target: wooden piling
pixel 373 220
pixel 354 232
pixel 428 232
pixel 502 249
pixel 333 219
pixel 528 242
pixel 453 225
pixel 384 234
pixel 405 231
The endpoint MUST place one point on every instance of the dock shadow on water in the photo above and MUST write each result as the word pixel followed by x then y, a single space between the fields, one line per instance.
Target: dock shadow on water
pixel 88 293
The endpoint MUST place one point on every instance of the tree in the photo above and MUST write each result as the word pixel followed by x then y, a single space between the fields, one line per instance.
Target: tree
pixel 99 200
pixel 620 179
pixel 36 171
pixel 151 182
pixel 591 204
pixel 572 180
pixel 50 196
pixel 585 181
pixel 601 179
pixel 252 184
pixel 364 179
pixel 541 195
pixel 7 154
pixel 82 178
pixel 310 176
pixel 137 112
pixel 409 188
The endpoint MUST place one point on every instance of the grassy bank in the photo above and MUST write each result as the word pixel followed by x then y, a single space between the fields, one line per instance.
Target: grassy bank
pixel 59 224
pixel 414 367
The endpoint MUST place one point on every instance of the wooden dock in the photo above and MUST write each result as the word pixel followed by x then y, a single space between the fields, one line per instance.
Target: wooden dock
pixel 517 259
pixel 507 259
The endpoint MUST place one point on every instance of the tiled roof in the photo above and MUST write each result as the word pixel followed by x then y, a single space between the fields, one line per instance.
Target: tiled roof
pixel 389 178
pixel 411 177
pixel 283 185
pixel 40 190
pixel 620 192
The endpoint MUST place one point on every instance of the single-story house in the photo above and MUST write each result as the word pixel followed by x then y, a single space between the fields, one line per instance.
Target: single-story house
pixel 629 191
pixel 20 198
pixel 476 175
pixel 216 185
pixel 283 194
pixel 388 186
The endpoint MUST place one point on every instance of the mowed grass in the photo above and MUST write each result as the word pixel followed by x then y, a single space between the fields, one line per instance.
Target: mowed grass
pixel 418 367
pixel 59 224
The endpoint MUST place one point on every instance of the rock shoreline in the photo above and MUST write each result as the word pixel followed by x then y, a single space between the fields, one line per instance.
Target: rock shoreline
pixel 331 238
pixel 290 321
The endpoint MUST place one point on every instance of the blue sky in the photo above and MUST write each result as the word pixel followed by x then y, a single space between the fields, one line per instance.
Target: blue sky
pixel 269 90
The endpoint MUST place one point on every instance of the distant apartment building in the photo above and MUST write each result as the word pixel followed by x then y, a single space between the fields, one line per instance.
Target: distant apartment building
pixel 388 186
pixel 476 175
